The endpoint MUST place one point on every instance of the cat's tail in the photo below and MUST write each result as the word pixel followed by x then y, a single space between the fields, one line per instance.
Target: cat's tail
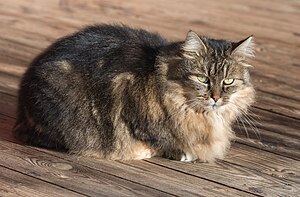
pixel 33 135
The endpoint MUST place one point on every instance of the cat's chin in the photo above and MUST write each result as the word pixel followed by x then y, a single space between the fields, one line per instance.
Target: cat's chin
pixel 213 107
pixel 208 108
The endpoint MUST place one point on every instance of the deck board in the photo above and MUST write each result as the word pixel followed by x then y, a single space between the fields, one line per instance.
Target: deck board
pixel 263 164
pixel 14 183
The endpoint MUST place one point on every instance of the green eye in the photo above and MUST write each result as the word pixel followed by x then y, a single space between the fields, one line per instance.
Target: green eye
pixel 203 79
pixel 228 81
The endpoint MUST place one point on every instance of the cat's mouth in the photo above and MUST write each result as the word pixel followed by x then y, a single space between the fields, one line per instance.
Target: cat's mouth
pixel 213 105
pixel 209 105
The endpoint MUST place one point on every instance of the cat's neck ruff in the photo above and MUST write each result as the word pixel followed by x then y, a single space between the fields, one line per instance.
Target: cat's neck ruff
pixel 205 134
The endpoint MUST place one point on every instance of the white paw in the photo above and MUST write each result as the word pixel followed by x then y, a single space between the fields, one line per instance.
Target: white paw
pixel 187 157
pixel 144 154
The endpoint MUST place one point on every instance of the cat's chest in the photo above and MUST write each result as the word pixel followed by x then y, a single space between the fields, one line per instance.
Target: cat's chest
pixel 205 136
pixel 204 127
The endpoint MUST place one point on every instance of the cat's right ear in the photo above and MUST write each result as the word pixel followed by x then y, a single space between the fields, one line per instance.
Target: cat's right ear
pixel 194 44
pixel 244 47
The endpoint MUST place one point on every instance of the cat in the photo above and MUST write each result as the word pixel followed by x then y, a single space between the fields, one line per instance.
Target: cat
pixel 119 93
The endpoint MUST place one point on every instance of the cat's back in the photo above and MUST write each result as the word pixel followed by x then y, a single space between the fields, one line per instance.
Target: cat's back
pixel 62 93
pixel 100 41
pixel 122 34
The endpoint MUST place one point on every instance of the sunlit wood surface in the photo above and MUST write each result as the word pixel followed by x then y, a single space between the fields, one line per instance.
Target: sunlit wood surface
pixel 262 164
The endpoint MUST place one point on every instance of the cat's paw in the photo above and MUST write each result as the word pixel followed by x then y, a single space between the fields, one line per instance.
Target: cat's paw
pixel 143 154
pixel 187 157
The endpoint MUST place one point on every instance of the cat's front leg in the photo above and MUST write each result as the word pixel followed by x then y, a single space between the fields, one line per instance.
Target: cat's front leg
pixel 188 157
pixel 174 154
pixel 179 155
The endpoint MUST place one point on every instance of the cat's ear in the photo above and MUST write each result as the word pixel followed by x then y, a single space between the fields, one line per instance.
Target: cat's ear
pixel 193 43
pixel 244 47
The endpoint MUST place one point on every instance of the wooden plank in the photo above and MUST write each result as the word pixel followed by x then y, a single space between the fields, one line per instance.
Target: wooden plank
pixel 236 176
pixel 69 175
pixel 238 10
pixel 9 84
pixel 277 145
pixel 265 120
pixel 8 104
pixel 278 104
pixel 264 162
pixel 276 83
pixel 271 132
pixel 13 184
pixel 6 126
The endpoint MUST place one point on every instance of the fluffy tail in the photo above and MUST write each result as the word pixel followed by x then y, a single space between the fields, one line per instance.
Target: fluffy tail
pixel 35 136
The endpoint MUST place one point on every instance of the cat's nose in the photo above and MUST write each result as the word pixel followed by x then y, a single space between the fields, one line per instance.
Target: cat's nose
pixel 216 98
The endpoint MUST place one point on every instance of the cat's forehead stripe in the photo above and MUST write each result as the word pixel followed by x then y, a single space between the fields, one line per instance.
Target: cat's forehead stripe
pixel 215 68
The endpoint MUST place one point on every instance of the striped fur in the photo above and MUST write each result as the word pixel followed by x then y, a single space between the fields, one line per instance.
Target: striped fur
pixel 120 93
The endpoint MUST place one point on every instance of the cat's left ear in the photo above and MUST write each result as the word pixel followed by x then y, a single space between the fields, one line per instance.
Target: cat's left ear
pixel 194 44
pixel 244 47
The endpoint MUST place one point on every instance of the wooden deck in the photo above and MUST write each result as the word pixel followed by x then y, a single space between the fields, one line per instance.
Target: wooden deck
pixel 266 164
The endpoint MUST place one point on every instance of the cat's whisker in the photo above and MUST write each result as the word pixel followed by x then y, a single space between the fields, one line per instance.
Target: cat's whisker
pixel 252 125
pixel 251 122
pixel 240 122
pixel 245 128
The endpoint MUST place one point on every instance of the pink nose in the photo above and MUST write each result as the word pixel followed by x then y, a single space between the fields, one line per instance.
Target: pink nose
pixel 216 98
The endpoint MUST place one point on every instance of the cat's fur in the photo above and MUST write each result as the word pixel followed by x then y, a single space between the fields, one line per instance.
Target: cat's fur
pixel 120 93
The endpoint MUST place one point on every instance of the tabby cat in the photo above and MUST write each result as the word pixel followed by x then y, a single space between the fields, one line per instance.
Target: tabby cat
pixel 114 92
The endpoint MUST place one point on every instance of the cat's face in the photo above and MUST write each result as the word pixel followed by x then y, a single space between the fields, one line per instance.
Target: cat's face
pixel 210 84
pixel 213 73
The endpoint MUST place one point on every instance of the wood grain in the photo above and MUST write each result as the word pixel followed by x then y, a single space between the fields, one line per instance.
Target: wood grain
pixel 14 183
pixel 235 176
pixel 69 175
pixel 264 162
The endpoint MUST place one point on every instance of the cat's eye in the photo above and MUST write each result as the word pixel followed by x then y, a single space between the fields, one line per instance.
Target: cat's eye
pixel 203 79
pixel 228 81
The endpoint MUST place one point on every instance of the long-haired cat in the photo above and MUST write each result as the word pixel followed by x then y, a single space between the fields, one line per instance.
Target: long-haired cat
pixel 120 93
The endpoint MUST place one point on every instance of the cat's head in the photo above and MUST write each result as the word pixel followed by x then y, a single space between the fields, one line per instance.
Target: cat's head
pixel 211 74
